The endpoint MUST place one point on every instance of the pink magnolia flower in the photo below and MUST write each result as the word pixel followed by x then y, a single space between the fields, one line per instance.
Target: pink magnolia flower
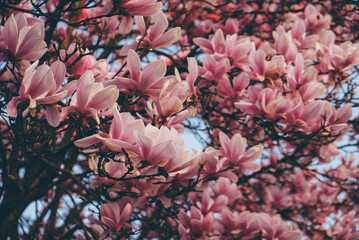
pixel 215 45
pixel 120 135
pixel 267 101
pixel 209 205
pixel 91 98
pixel 156 36
pixel 299 74
pixel 236 88
pixel 148 81
pixel 156 145
pixel 279 198
pixel 238 49
pixel 43 86
pixel 225 187
pixel 243 225
pixel 315 21
pixel 174 121
pixel 230 27
pixel 300 37
pixel 78 64
pixel 114 216
pixel 262 69
pixel 214 70
pixel 170 100
pixel 312 116
pixel 274 228
pixel 22 40
pixel 192 75
pixel 194 225
pixel 284 44
pixel 234 150
pixel 343 57
pixel 135 7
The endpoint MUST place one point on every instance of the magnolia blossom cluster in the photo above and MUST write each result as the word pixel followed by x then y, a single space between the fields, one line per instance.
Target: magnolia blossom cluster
pixel 93 92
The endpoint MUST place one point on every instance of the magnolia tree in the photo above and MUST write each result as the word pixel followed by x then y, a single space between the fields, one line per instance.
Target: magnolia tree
pixel 95 94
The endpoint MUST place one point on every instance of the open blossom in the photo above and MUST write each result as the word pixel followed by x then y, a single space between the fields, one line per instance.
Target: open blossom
pixel 214 70
pixel 156 145
pixel 209 204
pixel 134 7
pixel 192 75
pixel 196 225
pixel 274 228
pixel 266 101
pixel 235 88
pixel 22 40
pixel 244 224
pixel 114 217
pixel 276 197
pixel 120 135
pixel 171 98
pixel 156 36
pixel 215 45
pixel 234 150
pixel 148 81
pixel 91 98
pixel 316 113
pixel 43 86
pixel 79 65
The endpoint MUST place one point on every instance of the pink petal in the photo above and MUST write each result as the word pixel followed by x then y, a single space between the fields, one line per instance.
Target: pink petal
pixel 204 44
pixel 167 38
pixel 58 68
pixel 218 42
pixel 152 73
pixel 117 145
pixel 162 151
pixel 11 34
pixel 140 22
pixel 84 88
pixel 42 82
pixel 52 115
pixel 158 28
pixel 134 65
pixel 100 69
pixel 88 141
pixel 104 98
pixel 208 221
pixel 126 212
pixel 12 106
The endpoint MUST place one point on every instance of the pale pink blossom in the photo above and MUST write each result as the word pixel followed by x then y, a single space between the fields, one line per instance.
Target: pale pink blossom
pixel 274 228
pixel 214 70
pixel 267 101
pixel 234 150
pixel 192 75
pixel 314 20
pixel 215 45
pixel 120 135
pixel 196 225
pixel 276 197
pixel 208 204
pixel 134 7
pixel 170 100
pixel 23 40
pixel 236 88
pixel 156 37
pixel 114 217
pixel 148 81
pixel 43 86
pixel 243 225
pixel 91 98
pixel 78 62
